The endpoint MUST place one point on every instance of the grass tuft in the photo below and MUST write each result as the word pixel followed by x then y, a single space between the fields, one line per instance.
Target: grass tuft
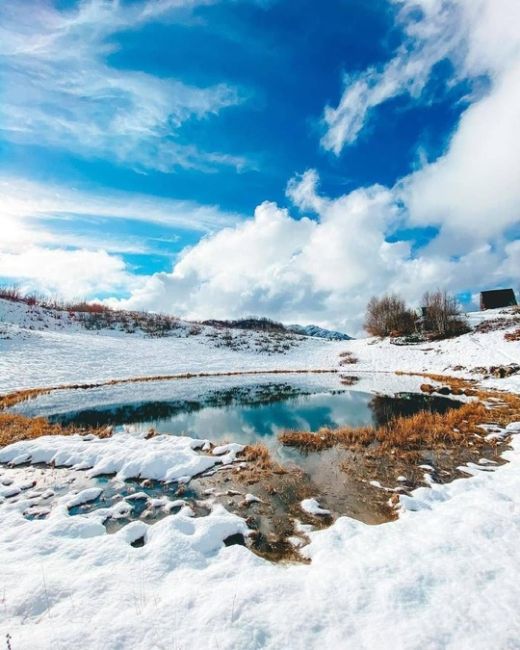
pixel 347 358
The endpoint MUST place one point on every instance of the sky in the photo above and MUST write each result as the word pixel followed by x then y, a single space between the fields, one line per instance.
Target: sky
pixel 223 158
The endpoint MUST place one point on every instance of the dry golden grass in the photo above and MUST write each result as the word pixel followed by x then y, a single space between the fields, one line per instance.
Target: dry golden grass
pixel 257 454
pixel 15 427
pixel 259 464
pixel 10 399
pixel 458 386
pixel 424 430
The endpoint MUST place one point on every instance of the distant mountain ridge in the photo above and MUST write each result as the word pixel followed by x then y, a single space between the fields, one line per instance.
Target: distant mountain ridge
pixel 318 332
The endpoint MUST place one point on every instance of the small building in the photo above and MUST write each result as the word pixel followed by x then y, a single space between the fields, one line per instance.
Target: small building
pixel 497 298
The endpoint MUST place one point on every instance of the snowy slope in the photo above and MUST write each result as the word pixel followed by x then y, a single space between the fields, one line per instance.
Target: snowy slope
pixel 42 358
pixel 36 349
pixel 456 357
pixel 70 354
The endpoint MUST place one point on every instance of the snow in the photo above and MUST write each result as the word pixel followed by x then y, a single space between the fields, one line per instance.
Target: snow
pixel 46 357
pixel 42 357
pixel 251 498
pixel 312 507
pixel 85 496
pixel 444 575
pixel 163 457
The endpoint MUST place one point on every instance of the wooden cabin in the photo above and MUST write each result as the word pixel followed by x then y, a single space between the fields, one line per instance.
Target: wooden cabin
pixel 497 298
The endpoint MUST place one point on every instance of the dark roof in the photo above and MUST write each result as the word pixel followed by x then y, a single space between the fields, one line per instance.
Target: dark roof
pixel 497 298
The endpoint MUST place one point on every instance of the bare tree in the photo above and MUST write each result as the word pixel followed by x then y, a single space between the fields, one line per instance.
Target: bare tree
pixel 389 316
pixel 442 315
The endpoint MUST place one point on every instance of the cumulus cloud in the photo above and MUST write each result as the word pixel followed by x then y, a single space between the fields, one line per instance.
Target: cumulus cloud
pixel 324 266
pixel 69 274
pixel 475 187
pixel 321 269
pixel 59 90
pixel 473 190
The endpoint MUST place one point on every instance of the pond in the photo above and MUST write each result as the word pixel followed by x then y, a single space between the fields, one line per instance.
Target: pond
pixel 255 410
pixel 252 409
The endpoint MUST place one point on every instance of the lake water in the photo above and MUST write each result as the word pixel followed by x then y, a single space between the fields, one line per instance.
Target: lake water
pixel 247 409
pixel 254 409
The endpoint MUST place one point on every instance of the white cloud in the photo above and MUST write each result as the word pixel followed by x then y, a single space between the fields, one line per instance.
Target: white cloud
pixel 58 89
pixel 475 187
pixel 324 269
pixel 23 203
pixel 480 37
pixel 69 274
pixel 40 255
pixel 303 270
pixel 473 190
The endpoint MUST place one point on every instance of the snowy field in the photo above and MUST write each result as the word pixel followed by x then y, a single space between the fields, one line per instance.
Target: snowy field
pixel 33 355
pixel 445 575
pixel 35 352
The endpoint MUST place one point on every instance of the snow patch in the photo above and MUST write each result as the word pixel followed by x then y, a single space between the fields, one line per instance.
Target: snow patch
pixel 163 457
pixel 312 507
pixel 85 496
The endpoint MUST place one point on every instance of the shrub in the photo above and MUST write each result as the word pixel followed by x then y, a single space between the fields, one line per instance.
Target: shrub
pixel 494 324
pixel 255 323
pixel 442 316
pixel 11 293
pixel 513 336
pixel 389 315
pixel 347 358
pixel 88 308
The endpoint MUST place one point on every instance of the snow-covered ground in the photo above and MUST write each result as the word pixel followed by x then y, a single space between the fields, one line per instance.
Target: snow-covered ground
pixel 455 357
pixel 446 574
pixel 33 355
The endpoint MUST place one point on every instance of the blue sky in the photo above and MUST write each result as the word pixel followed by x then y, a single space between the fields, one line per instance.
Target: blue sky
pixel 142 135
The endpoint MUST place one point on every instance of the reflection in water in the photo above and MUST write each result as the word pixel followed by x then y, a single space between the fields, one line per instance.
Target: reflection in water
pixel 385 408
pixel 259 412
